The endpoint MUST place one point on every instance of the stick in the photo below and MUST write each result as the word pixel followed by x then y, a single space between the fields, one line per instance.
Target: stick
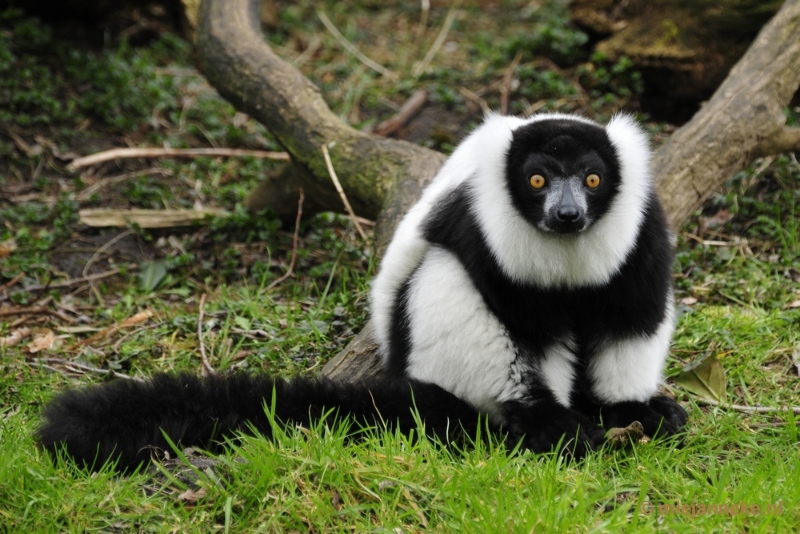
pixel 11 282
pixel 68 283
pixel 350 47
pixel 129 335
pixel 295 238
pixel 748 409
pixel 94 188
pixel 508 76
pixel 339 190
pixel 423 21
pixel 477 99
pixel 99 251
pixel 79 368
pixel 410 108
pixel 207 369
pixel 36 311
pixel 127 153
pixel 437 44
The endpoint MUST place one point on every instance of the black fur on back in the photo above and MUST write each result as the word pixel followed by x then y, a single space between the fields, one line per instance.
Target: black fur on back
pixel 123 420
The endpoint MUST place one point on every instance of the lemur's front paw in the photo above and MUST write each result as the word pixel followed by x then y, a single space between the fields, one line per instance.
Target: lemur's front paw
pixel 661 416
pixel 547 427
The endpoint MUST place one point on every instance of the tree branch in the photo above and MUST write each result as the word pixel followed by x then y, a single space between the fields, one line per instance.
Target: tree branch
pixel 376 172
pixel 730 131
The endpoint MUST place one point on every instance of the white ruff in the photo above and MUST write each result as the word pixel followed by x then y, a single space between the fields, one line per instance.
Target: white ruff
pixel 528 255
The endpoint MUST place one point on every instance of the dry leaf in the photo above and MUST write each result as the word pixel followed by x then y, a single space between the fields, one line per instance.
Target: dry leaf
pixel 794 304
pixel 44 340
pixel 705 378
pixel 7 247
pixel 190 496
pixel 15 337
pixel 139 318
pixel 622 437
pixel 337 501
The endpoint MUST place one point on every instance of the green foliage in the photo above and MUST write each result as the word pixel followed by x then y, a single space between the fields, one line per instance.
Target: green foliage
pixel 44 81
pixel 603 78
pixel 549 33
pixel 755 266
pixel 35 228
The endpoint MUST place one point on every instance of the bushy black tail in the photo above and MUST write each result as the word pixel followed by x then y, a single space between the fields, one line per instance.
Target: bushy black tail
pixel 123 420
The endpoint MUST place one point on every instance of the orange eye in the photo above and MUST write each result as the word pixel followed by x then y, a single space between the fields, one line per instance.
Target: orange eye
pixel 592 181
pixel 537 181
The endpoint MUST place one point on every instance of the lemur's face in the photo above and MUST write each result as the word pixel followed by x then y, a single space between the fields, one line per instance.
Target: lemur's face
pixel 562 174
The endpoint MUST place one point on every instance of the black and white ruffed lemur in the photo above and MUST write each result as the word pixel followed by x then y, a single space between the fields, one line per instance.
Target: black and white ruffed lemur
pixel 531 283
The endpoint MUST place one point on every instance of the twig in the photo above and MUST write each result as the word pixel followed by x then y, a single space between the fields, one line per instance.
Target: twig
pixel 127 153
pixel 11 282
pixel 437 44
pixel 508 77
pixel 423 20
pixel 207 369
pixel 295 239
pixel 96 255
pixel 748 409
pixel 350 47
pixel 71 283
pixel 102 249
pixel 40 310
pixel 477 99
pixel 309 52
pixel 339 190
pixel 80 368
pixel 410 108
pixel 49 368
pixel 102 182
pixel 129 335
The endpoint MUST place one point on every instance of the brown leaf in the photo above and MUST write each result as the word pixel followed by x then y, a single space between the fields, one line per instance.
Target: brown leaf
pixel 622 437
pixel 190 497
pixel 139 318
pixel 44 340
pixel 337 501
pixel 15 337
pixel 7 247
pixel 705 378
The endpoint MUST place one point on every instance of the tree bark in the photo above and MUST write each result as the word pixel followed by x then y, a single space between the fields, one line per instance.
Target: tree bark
pixel 383 177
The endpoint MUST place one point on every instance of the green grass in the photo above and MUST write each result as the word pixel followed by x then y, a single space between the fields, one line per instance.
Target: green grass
pixel 737 276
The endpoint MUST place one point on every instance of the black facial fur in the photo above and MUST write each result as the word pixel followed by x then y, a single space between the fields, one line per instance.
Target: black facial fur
pixel 565 152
